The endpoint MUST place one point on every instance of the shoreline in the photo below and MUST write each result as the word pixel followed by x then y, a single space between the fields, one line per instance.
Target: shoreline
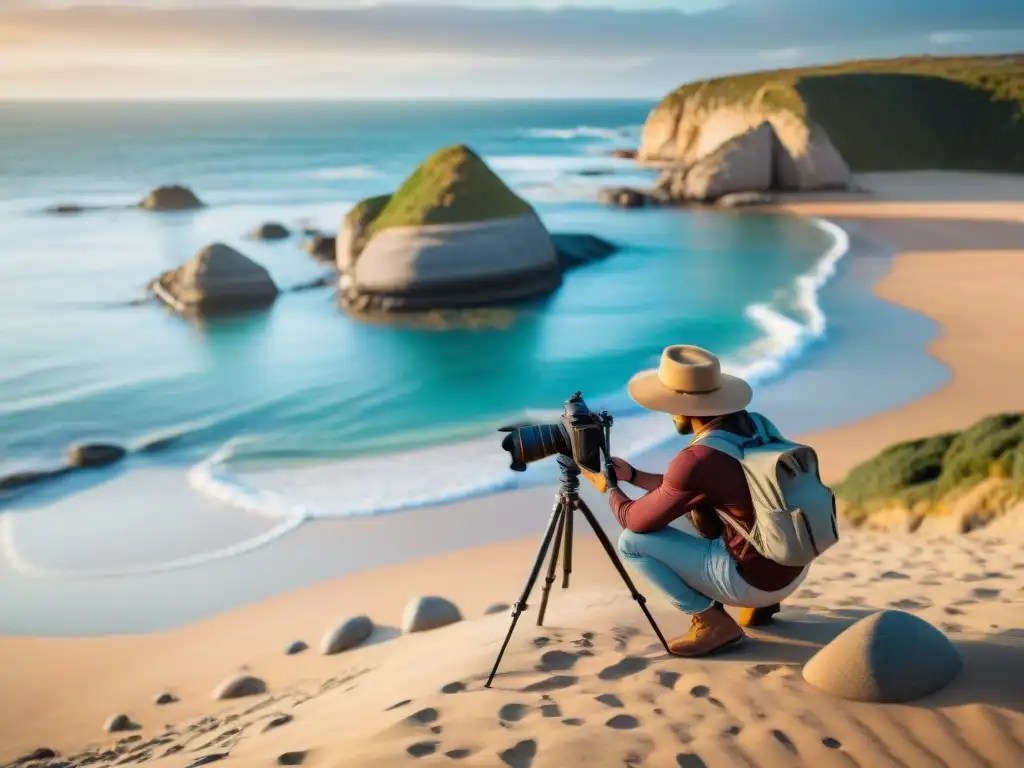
pixel 979 574
pixel 327 549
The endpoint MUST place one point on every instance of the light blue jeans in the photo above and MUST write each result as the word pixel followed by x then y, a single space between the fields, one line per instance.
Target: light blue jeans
pixel 694 571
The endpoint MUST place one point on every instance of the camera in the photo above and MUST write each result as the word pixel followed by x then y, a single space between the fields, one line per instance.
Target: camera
pixel 579 435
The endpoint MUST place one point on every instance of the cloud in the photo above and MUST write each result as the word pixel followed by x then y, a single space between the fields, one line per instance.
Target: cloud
pixel 744 25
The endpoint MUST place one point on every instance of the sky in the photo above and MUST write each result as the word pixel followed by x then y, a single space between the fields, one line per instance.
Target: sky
pixel 303 49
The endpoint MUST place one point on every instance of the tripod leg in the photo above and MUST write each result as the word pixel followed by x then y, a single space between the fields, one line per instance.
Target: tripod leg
pixel 520 606
pixel 549 579
pixel 567 554
pixel 614 557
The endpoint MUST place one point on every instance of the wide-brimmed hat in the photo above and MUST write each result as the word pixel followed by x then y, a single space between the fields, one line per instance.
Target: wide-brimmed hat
pixel 689 382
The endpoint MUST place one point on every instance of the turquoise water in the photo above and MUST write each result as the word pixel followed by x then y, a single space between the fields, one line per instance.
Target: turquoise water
pixel 80 361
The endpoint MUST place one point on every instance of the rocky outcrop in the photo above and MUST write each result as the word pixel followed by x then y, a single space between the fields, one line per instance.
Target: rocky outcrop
pixel 322 247
pixel 171 198
pixel 741 164
pixel 687 129
pixel 216 280
pixel 890 657
pixel 95 454
pixel 271 230
pixel 453 236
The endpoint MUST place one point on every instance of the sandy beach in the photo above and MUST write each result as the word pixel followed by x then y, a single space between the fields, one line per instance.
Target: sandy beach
pixel 592 688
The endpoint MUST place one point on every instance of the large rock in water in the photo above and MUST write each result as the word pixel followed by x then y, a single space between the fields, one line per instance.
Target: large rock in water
pixel 171 198
pixel 452 236
pixel 889 656
pixel 216 280
pixel 742 164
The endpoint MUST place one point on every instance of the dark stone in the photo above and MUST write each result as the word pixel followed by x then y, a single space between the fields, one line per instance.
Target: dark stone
pixel 297 647
pixel 277 722
pixel 291 758
pixel 43 753
pixel 575 250
pixel 29 477
pixel 322 247
pixel 271 231
pixel 95 454
pixel 171 198
pixel 165 698
pixel 117 723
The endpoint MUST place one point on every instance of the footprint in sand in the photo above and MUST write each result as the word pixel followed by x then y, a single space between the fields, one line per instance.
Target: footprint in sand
pixel 762 670
pixel 690 760
pixel 983 593
pixel 555 683
pixel 610 700
pixel 521 755
pixel 423 717
pixel 572 721
pixel 512 713
pixel 550 710
pixel 700 691
pixel 668 679
pixel 458 754
pixel 557 661
pixel 909 604
pixel 785 741
pixel 623 723
pixel 628 665
pixel 456 687
pixel 422 748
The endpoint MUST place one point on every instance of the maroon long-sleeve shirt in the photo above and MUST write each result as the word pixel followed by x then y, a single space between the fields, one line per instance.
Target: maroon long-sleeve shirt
pixel 698 481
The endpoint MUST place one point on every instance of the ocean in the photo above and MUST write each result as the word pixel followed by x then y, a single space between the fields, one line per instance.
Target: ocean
pixel 401 417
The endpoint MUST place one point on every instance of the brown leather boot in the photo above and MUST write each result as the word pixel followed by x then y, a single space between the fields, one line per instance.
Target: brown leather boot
pixel 758 617
pixel 711 630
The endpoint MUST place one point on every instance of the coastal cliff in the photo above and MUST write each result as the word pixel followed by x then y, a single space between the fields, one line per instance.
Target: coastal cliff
pixel 963 113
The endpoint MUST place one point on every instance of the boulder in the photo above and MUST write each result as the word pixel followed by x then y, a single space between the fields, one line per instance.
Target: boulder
pixel 623 197
pixel 171 198
pixel 889 656
pixel 322 247
pixel 118 723
pixel 577 250
pixel 238 686
pixel 95 454
pixel 271 230
pixel 216 280
pixel 348 634
pixel 423 613
pixel 742 164
pixel 295 647
pixel 453 236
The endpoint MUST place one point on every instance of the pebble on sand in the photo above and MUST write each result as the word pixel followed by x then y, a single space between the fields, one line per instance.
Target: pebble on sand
pixel 121 722
pixel 297 647
pixel 348 634
pixel 890 656
pixel 291 758
pixel 423 613
pixel 238 686
pixel 165 698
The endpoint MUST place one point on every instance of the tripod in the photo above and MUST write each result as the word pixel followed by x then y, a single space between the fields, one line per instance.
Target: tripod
pixel 559 529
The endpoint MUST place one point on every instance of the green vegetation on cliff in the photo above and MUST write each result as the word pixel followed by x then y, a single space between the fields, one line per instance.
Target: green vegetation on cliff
pixel 453 186
pixel 368 209
pixel 931 468
pixel 957 113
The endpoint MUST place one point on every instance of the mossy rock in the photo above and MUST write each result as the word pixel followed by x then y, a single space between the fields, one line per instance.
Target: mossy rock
pixel 452 186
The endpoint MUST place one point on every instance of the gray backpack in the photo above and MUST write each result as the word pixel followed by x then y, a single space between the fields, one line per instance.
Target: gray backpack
pixel 795 513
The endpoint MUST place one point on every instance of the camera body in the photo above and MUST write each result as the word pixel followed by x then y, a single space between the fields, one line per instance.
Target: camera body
pixel 586 432
pixel 579 434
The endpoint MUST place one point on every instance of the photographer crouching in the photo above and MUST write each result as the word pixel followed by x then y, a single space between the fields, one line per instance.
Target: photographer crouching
pixel 723 555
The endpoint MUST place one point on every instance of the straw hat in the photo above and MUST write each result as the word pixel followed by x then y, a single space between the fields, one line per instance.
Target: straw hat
pixel 689 382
